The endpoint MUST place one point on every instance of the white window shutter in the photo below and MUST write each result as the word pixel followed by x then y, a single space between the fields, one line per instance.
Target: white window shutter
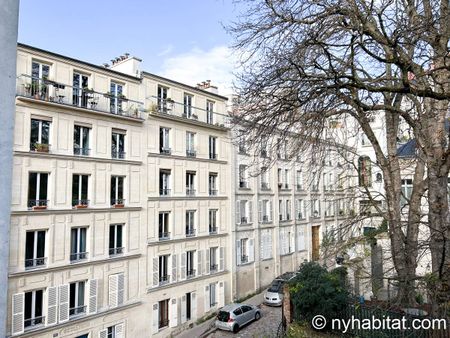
pixel 174 267
pixel 193 305
pixel 250 211
pixel 199 261
pixel 18 313
pixel 221 294
pixel 292 239
pixel 238 252
pixel 251 250
pixel 238 212
pixel 155 271
pixel 112 291
pixel 207 299
pixel 262 250
pixel 260 213
pixel 183 266
pixel 269 245
pixel 173 313
pixel 120 330
pixel 92 294
pixel 63 294
pixel 155 317
pixel 183 309
pixel 103 334
pixel 271 210
pixel 207 254
pixel 52 306
pixel 281 242
pixel 221 258
pixel 120 288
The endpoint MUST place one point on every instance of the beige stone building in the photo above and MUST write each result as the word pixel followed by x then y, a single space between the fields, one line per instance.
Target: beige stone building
pixel 120 203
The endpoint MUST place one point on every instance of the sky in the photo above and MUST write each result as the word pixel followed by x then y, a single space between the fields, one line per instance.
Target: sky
pixel 183 40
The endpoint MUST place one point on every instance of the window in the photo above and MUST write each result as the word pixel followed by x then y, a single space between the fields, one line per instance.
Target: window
pixel 266 244
pixel 163 314
pixel 315 208
pixel 281 210
pixel 81 141
pixel 300 211
pixel 315 179
pixel 243 183
pixel 367 207
pixel 81 93
pixel 190 145
pixel 212 148
pixel 213 266
pixel 190 264
pixel 116 98
pixel 39 74
pixel 78 238
pixel 245 250
pixel 190 223
pixel 286 178
pixel 244 212
pixel 286 242
pixel 299 180
pixel 378 177
pixel 163 226
pixel 77 298
pixel 40 136
pixel 117 199
pixel 118 145
pixel 163 269
pixel 212 295
pixel 188 306
pixel 34 314
pixel 162 96
pixel 164 182
pixel 329 210
pixel 35 249
pixel 115 331
pixel 115 239
pixel 37 190
pixel 80 191
pixel 407 187
pixel 164 144
pixel 264 178
pixel 190 184
pixel 242 148
pixel 188 106
pixel 263 152
pixel 265 211
pixel 364 171
pixel 212 182
pixel 210 112
pixel 212 221
pixel 288 209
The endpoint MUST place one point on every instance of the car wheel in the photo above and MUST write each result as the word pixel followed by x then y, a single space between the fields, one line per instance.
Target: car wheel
pixel 236 328
pixel 257 316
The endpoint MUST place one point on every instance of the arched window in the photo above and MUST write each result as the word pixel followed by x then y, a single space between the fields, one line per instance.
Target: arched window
pixel 379 177
pixel 364 171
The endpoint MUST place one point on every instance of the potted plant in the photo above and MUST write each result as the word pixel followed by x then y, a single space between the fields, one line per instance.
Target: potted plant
pixel 41 147
pixel 153 108
pixel 122 97
pixel 119 205
pixel 28 88
pixel 39 207
pixel 81 206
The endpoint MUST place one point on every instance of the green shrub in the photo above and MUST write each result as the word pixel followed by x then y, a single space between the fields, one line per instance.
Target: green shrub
pixel 316 291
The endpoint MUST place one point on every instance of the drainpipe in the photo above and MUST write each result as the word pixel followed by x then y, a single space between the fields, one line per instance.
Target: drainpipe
pixel 9 12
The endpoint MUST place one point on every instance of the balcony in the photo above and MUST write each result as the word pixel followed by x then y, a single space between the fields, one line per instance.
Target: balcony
pixel 40 147
pixel 212 192
pixel 212 156
pixel 85 98
pixel 190 232
pixel 164 192
pixel 78 256
pixel 244 259
pixel 35 321
pixel 243 184
pixel 35 263
pixel 213 268
pixel 300 216
pixel 244 220
pixel 164 279
pixel 115 251
pixel 117 154
pixel 165 151
pixel 78 151
pixel 80 204
pixel 76 311
pixel 212 230
pixel 191 153
pixel 265 186
pixel 190 273
pixel 37 204
pixel 118 202
pixel 164 236
pixel 190 192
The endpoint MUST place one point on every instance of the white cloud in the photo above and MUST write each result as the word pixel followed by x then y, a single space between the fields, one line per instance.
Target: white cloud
pixel 167 49
pixel 197 65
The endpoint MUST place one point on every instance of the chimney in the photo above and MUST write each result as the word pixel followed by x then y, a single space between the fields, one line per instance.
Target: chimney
pixel 207 86
pixel 127 64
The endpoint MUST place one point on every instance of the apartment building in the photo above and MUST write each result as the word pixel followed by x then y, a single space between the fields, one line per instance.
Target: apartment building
pixel 284 206
pixel 120 203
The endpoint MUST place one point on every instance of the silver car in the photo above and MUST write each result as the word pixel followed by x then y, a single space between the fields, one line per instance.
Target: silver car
pixel 274 295
pixel 234 316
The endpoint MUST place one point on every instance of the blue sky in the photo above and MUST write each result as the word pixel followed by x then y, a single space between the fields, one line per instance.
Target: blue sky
pixel 181 39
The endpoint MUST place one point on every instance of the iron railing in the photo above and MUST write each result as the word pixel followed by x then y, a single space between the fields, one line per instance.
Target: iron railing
pixel 34 263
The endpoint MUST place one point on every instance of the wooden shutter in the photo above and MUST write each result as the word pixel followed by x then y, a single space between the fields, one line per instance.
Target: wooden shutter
pixel 183 266
pixel 207 299
pixel 92 294
pixel 199 265
pixel 120 288
pixel 251 250
pixel 120 330
pixel 183 309
pixel 155 317
pixel 112 291
pixel 18 313
pixel 193 305
pixel 221 258
pixel 250 211
pixel 63 303
pixel 103 334
pixel 238 252
pixel 238 212
pixel 173 315
pixel 155 271
pixel 221 294
pixel 52 306
pixel 207 254
pixel 174 267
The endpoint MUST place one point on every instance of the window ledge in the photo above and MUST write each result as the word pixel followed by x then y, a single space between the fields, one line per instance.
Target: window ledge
pixel 75 211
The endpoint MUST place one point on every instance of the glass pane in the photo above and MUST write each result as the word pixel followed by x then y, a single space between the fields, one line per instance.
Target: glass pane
pixel 72 295
pixel 28 304
pixel 119 235
pixel 76 136
pixel 40 244
pixel 32 183
pixel 45 71
pixel 29 245
pixel 75 188
pixel 34 135
pixel 83 232
pixel 113 188
pixel 111 236
pixel 38 303
pixel 73 241
pixel 121 142
pixel 43 187
pixel 86 138
pixel 84 187
pixel 120 187
pixel 80 294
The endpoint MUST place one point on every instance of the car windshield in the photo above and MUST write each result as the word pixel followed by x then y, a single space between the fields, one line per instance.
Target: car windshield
pixel 275 288
pixel 223 316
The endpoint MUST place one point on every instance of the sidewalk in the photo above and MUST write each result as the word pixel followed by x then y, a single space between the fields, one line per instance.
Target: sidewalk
pixel 207 327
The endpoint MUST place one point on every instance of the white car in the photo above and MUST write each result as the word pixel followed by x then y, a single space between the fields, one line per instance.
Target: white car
pixel 274 295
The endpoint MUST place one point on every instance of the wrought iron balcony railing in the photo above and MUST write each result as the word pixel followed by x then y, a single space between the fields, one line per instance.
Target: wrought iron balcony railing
pixel 35 263
pixel 115 251
pixel 78 256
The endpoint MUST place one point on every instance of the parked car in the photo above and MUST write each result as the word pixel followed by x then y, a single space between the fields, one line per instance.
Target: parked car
pixel 234 316
pixel 274 295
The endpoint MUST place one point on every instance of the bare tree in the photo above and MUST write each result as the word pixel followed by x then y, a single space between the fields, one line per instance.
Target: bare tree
pixel 306 62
